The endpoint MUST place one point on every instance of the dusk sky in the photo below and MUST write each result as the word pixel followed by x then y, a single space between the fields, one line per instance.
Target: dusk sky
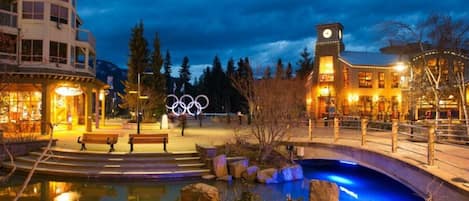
pixel 263 30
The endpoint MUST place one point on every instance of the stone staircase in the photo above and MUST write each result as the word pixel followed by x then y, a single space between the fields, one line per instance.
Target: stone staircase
pixel 118 165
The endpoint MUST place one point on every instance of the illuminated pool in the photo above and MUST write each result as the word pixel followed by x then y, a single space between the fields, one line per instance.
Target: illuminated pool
pixel 355 183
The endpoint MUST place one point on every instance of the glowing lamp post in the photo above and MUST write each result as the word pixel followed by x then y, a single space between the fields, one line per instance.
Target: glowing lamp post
pixel 138 115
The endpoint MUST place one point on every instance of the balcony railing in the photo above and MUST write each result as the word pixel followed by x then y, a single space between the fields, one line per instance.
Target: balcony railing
pixel 86 36
pixel 8 18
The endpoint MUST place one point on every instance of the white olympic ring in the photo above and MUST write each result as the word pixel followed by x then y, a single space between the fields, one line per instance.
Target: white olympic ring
pixel 185 103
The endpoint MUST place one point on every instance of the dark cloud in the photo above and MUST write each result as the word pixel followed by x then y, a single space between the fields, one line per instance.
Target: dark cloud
pixel 264 30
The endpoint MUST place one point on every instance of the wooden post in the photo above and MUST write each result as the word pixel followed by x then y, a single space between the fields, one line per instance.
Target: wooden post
pixel 336 129
pixel 310 129
pixel 364 124
pixel 394 131
pixel 431 146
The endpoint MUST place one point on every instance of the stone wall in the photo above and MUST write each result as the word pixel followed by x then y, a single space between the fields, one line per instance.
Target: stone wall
pixel 22 148
pixel 415 177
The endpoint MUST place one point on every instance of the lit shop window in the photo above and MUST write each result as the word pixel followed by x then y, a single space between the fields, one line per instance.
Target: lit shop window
pixel 326 69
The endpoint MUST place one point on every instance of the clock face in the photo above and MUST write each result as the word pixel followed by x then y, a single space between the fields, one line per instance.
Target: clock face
pixel 327 33
pixel 340 34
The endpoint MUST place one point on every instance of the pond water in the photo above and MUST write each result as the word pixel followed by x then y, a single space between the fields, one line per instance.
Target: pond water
pixel 355 183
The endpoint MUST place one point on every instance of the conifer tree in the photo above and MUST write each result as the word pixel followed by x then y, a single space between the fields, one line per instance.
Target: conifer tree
pixel 167 72
pixel 138 61
pixel 267 73
pixel 155 86
pixel 306 64
pixel 279 74
pixel 184 75
pixel 289 71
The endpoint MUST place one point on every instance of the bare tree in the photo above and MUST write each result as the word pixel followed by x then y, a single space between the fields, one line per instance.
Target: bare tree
pixel 439 33
pixel 275 104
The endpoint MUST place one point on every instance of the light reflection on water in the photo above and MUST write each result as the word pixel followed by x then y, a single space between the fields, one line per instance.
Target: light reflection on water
pixel 355 183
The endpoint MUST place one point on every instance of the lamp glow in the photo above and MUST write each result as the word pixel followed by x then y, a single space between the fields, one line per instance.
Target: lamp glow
pixel 68 91
pixel 400 66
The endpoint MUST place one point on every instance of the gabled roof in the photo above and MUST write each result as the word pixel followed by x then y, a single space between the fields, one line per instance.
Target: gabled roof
pixel 368 58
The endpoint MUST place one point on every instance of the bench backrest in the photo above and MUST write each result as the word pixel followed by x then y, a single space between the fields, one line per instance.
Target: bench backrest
pixel 100 138
pixel 148 138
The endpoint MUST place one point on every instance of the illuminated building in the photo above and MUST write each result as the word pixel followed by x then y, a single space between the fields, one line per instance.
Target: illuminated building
pixel 352 83
pixel 47 67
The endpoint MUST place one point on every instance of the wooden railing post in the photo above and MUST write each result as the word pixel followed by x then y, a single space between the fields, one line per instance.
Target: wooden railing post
pixel 431 146
pixel 364 124
pixel 336 129
pixel 394 131
pixel 310 129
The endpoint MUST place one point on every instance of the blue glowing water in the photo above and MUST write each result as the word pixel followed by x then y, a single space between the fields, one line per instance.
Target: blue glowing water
pixel 355 183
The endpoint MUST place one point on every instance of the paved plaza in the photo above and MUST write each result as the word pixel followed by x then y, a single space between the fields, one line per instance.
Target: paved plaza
pixel 452 161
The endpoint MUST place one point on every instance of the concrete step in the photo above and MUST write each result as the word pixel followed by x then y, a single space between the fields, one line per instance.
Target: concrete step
pixel 116 174
pixel 111 164
pixel 72 163
pixel 102 167
pixel 71 152
pixel 118 159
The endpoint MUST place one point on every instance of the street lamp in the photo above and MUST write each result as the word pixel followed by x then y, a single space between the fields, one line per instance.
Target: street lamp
pixel 139 97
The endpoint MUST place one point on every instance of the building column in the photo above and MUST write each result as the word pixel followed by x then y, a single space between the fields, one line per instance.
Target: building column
pixel 46 99
pixel 88 107
pixel 103 108
pixel 96 108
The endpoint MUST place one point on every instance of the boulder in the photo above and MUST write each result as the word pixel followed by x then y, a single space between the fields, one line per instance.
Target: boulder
pixel 219 166
pixel 268 176
pixel 199 192
pixel 250 174
pixel 285 174
pixel 296 172
pixel 238 167
pixel 323 191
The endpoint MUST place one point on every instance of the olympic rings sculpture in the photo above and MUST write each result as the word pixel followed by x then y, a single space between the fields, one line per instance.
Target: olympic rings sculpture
pixel 185 104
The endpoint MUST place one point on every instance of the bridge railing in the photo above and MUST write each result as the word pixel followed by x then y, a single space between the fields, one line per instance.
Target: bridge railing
pixel 424 135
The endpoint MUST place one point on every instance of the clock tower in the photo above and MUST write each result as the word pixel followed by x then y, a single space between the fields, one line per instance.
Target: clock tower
pixel 329 36
pixel 326 83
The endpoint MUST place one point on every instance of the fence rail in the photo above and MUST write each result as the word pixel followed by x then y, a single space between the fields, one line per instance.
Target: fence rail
pixel 423 136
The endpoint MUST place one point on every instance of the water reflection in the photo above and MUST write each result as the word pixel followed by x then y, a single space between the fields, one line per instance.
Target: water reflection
pixel 355 183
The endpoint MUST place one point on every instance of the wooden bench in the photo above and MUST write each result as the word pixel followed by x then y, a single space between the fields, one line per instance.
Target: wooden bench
pixel 148 139
pixel 90 138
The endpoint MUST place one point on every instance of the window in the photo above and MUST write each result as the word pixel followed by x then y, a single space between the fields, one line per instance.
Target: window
pixel 73 20
pixel 58 14
pixel 380 80
pixel 8 46
pixel 365 105
pixel 79 57
pixel 8 14
pixel 58 52
pixel 326 69
pixel 364 79
pixel 31 50
pixel 92 60
pixel 33 10
pixel 395 80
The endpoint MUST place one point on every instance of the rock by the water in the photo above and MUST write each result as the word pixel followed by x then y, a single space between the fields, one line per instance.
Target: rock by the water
pixel 268 176
pixel 209 177
pixel 238 167
pixel 219 166
pixel 286 174
pixel 225 178
pixel 199 192
pixel 323 191
pixel 250 174
pixel 297 172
